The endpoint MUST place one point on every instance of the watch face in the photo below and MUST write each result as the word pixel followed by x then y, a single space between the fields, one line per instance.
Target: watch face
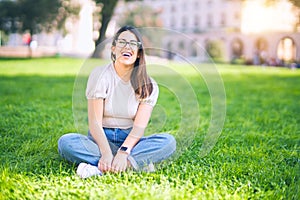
pixel 123 148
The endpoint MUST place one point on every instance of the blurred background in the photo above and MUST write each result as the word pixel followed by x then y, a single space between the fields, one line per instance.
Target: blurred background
pixel 254 32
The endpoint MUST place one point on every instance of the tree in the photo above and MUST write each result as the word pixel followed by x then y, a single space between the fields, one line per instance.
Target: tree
pixel 34 16
pixel 107 11
pixel 215 48
pixel 108 7
pixel 8 16
pixel 296 3
pixel 151 36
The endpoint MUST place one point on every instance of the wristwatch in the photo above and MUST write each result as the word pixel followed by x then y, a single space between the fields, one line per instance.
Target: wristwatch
pixel 125 149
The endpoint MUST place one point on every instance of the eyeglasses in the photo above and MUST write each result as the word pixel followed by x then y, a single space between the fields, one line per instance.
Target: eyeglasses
pixel 132 43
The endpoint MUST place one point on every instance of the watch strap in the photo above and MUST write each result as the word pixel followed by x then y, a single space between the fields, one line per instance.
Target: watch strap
pixel 125 149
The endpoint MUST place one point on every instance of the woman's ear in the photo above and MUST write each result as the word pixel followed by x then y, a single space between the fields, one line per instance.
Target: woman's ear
pixel 113 53
pixel 113 48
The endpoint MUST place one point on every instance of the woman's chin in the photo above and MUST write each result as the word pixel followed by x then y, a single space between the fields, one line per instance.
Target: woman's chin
pixel 126 61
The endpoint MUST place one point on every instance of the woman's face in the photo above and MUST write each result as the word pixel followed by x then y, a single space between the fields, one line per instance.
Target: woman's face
pixel 126 49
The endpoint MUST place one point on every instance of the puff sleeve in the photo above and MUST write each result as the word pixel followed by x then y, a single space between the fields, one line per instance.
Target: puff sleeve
pixel 97 84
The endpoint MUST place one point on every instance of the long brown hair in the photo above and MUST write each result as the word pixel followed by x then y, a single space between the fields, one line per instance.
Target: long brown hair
pixel 139 79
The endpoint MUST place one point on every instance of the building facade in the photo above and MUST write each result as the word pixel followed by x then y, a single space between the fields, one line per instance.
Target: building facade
pixel 248 30
pixel 226 30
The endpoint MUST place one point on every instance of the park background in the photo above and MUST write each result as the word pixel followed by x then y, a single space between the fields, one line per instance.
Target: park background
pixel 254 45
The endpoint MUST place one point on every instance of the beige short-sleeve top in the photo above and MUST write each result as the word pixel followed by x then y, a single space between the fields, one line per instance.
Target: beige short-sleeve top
pixel 120 101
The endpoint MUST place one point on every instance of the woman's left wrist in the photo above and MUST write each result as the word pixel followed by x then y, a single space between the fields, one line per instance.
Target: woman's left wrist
pixel 125 150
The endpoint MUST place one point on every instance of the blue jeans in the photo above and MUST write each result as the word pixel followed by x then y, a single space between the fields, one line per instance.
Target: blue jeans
pixel 79 148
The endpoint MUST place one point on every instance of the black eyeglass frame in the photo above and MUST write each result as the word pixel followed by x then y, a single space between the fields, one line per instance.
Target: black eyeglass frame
pixel 136 44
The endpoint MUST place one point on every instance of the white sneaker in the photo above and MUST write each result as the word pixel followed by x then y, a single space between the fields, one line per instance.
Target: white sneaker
pixel 85 170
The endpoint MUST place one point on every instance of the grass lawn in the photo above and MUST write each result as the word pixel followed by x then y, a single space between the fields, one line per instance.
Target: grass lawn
pixel 256 156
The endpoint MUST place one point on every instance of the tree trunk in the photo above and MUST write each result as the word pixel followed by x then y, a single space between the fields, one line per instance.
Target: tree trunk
pixel 106 15
pixel 102 31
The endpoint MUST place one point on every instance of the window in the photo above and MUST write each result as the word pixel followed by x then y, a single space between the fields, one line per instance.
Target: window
pixel 209 2
pixel 184 6
pixel 194 46
pixel 286 49
pixel 223 20
pixel 181 45
pixel 196 21
pixel 173 8
pixel 184 21
pixel 209 21
pixel 237 16
pixel 173 22
pixel 196 4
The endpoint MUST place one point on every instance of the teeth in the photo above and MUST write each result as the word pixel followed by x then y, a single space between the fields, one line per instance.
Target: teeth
pixel 126 54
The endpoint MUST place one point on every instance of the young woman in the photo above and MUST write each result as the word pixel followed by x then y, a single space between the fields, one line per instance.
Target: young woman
pixel 120 101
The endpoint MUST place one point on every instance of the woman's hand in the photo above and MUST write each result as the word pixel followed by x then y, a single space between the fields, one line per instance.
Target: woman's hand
pixel 119 163
pixel 105 162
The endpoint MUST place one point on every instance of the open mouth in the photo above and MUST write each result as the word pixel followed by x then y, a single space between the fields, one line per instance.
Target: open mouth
pixel 127 54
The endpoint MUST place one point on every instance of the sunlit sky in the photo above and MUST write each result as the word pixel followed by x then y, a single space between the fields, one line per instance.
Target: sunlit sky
pixel 257 17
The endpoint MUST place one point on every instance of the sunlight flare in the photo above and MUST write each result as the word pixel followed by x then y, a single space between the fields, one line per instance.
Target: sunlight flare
pixel 258 17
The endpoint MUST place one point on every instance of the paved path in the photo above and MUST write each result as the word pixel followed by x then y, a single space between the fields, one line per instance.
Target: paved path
pixel 24 51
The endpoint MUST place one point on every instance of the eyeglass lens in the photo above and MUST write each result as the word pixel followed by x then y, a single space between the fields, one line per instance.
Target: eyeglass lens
pixel 122 43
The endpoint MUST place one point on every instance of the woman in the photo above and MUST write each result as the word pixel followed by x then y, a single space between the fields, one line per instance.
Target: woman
pixel 120 101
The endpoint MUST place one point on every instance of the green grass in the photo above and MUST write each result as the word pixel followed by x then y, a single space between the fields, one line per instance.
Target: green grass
pixel 256 156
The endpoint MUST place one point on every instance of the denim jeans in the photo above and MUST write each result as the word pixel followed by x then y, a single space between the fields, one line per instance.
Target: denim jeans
pixel 79 148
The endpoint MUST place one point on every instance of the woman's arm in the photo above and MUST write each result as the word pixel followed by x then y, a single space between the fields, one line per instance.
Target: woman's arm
pixel 140 123
pixel 95 116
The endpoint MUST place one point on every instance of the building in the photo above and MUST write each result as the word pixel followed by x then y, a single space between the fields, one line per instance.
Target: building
pixel 226 30
pixel 232 29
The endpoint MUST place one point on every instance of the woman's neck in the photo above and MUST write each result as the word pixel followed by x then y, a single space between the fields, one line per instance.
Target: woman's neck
pixel 123 71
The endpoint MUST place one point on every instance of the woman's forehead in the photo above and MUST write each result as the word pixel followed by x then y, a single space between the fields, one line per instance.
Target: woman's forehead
pixel 127 35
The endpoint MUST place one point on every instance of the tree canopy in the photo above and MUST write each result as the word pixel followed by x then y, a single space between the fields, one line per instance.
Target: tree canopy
pixel 295 3
pixel 107 11
pixel 34 16
pixel 108 7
